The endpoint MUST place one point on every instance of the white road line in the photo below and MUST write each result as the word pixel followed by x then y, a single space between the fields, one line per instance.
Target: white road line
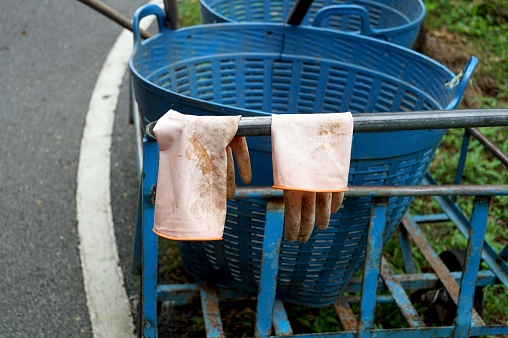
pixel 107 300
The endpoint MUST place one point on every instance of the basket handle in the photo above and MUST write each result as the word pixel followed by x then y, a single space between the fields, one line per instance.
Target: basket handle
pixel 143 11
pixel 324 13
pixel 458 83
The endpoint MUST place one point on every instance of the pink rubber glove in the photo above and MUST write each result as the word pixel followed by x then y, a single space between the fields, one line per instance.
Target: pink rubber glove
pixel 238 147
pixel 190 202
pixel 311 155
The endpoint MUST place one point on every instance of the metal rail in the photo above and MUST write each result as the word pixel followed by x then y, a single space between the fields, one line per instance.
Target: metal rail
pixel 373 122
pixel 392 191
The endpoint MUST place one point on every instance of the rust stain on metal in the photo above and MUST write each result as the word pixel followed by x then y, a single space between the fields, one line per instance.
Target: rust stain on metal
pixel 346 316
pixel 211 310
pixel 399 295
pixel 151 197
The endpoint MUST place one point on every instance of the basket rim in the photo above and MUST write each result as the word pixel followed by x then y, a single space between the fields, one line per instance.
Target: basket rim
pixel 162 38
pixel 381 31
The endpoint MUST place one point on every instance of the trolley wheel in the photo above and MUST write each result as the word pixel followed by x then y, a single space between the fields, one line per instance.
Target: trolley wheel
pixel 442 308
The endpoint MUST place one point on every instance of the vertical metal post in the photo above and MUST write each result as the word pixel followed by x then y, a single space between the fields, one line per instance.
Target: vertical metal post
pixel 269 267
pixel 149 242
pixel 171 10
pixel 471 266
pixel 137 253
pixel 462 159
pixel 371 268
pixel 407 257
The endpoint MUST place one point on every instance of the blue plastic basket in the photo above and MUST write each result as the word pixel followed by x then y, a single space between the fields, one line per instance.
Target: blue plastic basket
pixel 255 69
pixel 397 21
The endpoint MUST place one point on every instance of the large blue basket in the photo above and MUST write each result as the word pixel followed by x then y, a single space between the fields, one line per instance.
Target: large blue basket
pixel 256 69
pixel 397 21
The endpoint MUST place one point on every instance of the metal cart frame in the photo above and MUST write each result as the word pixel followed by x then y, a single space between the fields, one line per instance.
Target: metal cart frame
pixel 377 274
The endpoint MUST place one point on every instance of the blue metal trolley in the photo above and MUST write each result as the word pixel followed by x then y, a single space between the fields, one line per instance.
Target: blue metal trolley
pixel 195 71
pixel 377 274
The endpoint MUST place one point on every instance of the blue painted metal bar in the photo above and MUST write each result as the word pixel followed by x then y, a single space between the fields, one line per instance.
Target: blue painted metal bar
pixel 423 281
pixel 180 294
pixel 503 254
pixel 471 266
pixel 494 330
pixel 371 267
pixel 462 158
pixel 346 316
pixel 489 146
pixel 269 266
pixel 442 217
pixel 281 324
pixel 137 252
pixel 444 331
pixel 436 264
pixel 211 312
pixel 400 296
pixel 149 242
pixel 489 255
pixel 405 249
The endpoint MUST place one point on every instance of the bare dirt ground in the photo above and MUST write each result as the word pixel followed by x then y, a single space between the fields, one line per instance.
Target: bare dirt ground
pixel 453 51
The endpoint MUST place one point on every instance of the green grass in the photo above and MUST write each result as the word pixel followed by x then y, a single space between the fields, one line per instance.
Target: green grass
pixel 483 23
pixel 482 28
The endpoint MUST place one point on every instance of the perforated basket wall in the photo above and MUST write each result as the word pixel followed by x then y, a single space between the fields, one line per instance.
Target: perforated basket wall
pixel 397 21
pixel 245 69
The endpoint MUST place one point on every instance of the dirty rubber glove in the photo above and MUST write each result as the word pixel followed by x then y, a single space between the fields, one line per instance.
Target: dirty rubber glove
pixel 311 155
pixel 302 209
pixel 190 203
pixel 238 148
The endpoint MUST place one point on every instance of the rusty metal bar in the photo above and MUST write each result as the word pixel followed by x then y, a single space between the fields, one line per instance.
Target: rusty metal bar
pixel 269 267
pixel 405 249
pixel 346 316
pixel 443 331
pixel 281 324
pixel 489 255
pixel 413 282
pixel 471 266
pixel 371 267
pixel 400 296
pixel 489 145
pixel 437 265
pixel 211 312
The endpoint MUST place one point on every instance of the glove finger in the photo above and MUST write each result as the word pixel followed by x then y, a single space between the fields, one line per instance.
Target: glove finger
pixel 230 180
pixel 292 214
pixel 323 209
pixel 337 198
pixel 242 158
pixel 308 216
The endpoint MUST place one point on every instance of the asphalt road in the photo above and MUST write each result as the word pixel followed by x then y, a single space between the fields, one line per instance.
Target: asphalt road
pixel 51 53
